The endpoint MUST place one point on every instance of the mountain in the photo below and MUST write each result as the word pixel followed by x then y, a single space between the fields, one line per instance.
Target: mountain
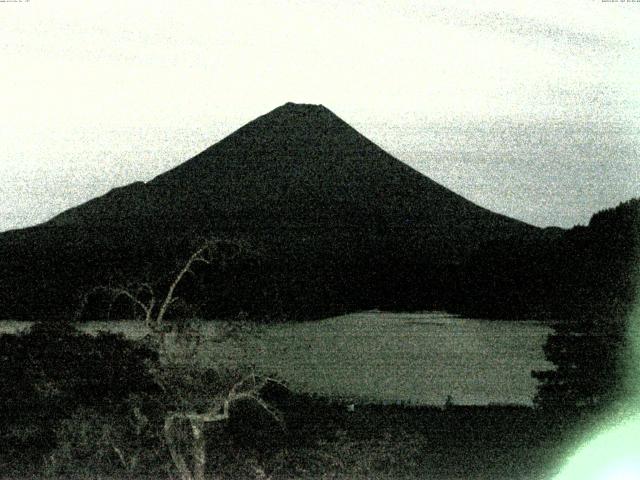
pixel 334 223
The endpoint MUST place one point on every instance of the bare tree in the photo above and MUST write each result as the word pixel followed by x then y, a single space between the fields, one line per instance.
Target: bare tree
pixel 247 389
pixel 143 296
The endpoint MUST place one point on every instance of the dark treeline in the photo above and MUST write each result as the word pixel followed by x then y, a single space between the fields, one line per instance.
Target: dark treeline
pixel 578 274
pixel 284 276
pixel 549 274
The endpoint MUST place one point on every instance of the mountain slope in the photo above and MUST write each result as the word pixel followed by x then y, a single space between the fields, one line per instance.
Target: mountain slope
pixel 339 223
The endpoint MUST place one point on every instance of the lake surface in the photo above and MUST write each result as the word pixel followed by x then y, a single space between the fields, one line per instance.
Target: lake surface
pixel 417 358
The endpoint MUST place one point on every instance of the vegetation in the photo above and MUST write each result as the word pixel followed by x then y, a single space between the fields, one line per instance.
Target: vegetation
pixel 90 406
pixel 52 374
pixel 142 294
pixel 79 404
pixel 591 353
pixel 258 430
pixel 105 404
pixel 586 274
pixel 125 437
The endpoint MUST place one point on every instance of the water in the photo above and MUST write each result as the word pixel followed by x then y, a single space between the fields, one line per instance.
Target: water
pixel 417 358
pixel 414 358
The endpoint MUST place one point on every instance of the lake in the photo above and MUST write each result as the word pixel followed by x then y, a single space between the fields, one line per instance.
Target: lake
pixel 416 358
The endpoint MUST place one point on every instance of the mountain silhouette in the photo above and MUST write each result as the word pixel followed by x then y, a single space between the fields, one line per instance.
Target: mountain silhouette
pixel 335 223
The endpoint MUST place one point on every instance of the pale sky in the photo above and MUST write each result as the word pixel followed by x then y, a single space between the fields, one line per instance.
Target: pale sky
pixel 529 108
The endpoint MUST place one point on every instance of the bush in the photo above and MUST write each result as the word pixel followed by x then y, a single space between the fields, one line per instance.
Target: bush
pixel 97 405
pixel 126 442
pixel 53 370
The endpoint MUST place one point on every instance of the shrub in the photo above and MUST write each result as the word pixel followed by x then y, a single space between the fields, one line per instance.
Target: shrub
pixel 124 442
pixel 51 371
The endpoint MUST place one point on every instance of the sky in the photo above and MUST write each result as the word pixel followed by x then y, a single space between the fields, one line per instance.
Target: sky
pixel 528 108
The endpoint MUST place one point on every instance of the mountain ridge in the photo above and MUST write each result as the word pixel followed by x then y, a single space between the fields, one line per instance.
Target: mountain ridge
pixel 260 147
pixel 341 222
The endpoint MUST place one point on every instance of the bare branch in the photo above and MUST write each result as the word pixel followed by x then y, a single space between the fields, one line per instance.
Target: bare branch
pixel 143 297
pixel 197 256
pixel 197 421
pixel 123 460
pixel 199 449
pixel 273 413
pixel 146 286
pixel 119 291
pixel 178 459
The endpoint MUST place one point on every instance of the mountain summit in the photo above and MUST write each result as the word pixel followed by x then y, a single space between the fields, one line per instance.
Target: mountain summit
pixel 339 222
pixel 298 163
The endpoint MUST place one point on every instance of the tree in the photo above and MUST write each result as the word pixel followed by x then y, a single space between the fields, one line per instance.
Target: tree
pixel 197 404
pixel 592 350
pixel 589 359
pixel 248 390
pixel 143 294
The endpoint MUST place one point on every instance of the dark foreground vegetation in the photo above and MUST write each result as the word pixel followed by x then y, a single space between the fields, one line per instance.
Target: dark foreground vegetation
pixel 328 441
pixel 81 406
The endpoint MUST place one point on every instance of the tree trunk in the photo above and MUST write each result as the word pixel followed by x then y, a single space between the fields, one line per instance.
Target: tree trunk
pixel 178 459
pixel 199 449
